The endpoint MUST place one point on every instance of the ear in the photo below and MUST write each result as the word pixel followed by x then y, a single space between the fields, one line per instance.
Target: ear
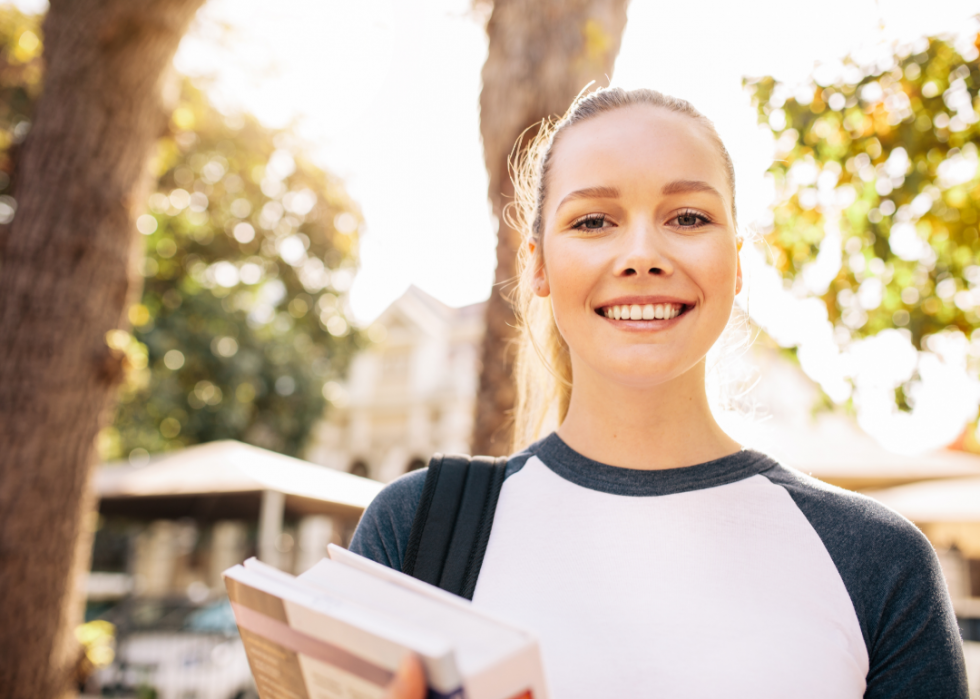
pixel 539 276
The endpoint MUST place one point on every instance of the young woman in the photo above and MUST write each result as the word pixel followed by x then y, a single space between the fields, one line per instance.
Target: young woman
pixel 652 555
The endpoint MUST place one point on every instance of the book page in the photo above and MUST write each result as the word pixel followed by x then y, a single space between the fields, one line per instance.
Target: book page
pixel 478 638
pixel 517 675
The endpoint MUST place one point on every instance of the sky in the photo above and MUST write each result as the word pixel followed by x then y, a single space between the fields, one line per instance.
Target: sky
pixel 386 93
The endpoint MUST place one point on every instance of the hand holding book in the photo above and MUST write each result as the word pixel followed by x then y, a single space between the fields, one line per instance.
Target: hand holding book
pixel 409 682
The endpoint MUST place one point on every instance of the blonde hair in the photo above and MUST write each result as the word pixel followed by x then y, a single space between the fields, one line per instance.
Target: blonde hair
pixel 543 366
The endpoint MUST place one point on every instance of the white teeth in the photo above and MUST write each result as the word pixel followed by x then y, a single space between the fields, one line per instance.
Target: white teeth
pixel 660 311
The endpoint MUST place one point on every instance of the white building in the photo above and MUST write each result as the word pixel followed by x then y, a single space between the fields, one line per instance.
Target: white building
pixel 408 395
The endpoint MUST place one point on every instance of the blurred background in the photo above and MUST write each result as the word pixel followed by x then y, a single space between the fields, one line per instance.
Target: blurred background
pixel 309 280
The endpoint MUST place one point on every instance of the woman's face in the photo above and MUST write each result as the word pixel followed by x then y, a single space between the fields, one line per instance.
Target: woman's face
pixel 639 251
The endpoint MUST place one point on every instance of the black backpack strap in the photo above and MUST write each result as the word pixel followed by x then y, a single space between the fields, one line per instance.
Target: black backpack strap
pixel 452 523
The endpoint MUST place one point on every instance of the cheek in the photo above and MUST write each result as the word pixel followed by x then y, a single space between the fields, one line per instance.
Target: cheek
pixel 572 272
pixel 714 270
pixel 715 277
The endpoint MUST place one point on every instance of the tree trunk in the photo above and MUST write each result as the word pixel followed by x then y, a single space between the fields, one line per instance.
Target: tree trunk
pixel 69 268
pixel 541 54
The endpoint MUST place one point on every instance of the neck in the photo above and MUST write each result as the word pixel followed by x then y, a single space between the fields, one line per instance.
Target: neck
pixel 667 426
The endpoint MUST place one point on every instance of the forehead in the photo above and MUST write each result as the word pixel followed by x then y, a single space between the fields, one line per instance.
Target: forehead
pixel 632 146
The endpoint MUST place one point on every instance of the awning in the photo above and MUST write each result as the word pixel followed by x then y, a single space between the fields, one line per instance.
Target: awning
pixel 226 479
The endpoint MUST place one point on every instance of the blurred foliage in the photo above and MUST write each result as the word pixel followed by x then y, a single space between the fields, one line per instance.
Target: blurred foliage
pixel 98 639
pixel 250 250
pixel 20 86
pixel 889 149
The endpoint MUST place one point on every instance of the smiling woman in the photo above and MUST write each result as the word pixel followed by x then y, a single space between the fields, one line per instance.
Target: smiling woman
pixel 710 570
pixel 596 198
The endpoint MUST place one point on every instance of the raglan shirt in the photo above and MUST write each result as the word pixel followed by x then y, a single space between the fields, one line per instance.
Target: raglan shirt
pixel 736 578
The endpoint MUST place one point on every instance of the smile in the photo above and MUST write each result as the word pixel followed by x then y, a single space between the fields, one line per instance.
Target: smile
pixel 649 311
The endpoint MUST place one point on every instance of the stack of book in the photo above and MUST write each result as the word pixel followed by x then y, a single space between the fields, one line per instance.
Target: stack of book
pixel 340 630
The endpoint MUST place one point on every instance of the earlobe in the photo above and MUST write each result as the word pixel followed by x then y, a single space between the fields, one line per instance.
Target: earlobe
pixel 539 281
pixel 540 284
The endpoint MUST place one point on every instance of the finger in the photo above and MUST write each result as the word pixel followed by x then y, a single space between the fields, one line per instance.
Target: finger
pixel 409 681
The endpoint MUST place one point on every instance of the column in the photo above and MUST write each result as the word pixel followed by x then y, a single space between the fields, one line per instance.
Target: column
pixel 270 525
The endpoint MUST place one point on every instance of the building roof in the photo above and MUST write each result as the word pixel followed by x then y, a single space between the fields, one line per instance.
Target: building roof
pixel 429 313
pixel 835 450
pixel 227 477
pixel 951 500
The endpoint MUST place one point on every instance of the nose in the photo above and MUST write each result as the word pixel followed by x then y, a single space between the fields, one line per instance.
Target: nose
pixel 644 253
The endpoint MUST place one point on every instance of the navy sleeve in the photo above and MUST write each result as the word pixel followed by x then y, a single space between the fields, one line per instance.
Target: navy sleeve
pixel 893 577
pixel 382 533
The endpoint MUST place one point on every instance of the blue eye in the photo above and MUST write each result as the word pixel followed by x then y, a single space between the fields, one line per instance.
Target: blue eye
pixel 691 219
pixel 592 222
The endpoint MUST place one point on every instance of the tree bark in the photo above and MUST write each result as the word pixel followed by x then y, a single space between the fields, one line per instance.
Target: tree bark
pixel 541 54
pixel 69 269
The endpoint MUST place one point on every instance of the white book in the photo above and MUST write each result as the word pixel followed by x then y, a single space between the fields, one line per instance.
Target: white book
pixel 340 630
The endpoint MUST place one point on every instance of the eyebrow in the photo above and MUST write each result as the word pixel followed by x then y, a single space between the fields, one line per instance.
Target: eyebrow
pixel 675 187
pixel 590 193
pixel 688 186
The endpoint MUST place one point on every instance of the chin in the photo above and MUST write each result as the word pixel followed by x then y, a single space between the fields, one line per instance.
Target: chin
pixel 643 372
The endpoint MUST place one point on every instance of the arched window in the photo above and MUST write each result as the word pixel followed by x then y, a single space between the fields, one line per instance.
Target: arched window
pixel 359 468
pixel 415 464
